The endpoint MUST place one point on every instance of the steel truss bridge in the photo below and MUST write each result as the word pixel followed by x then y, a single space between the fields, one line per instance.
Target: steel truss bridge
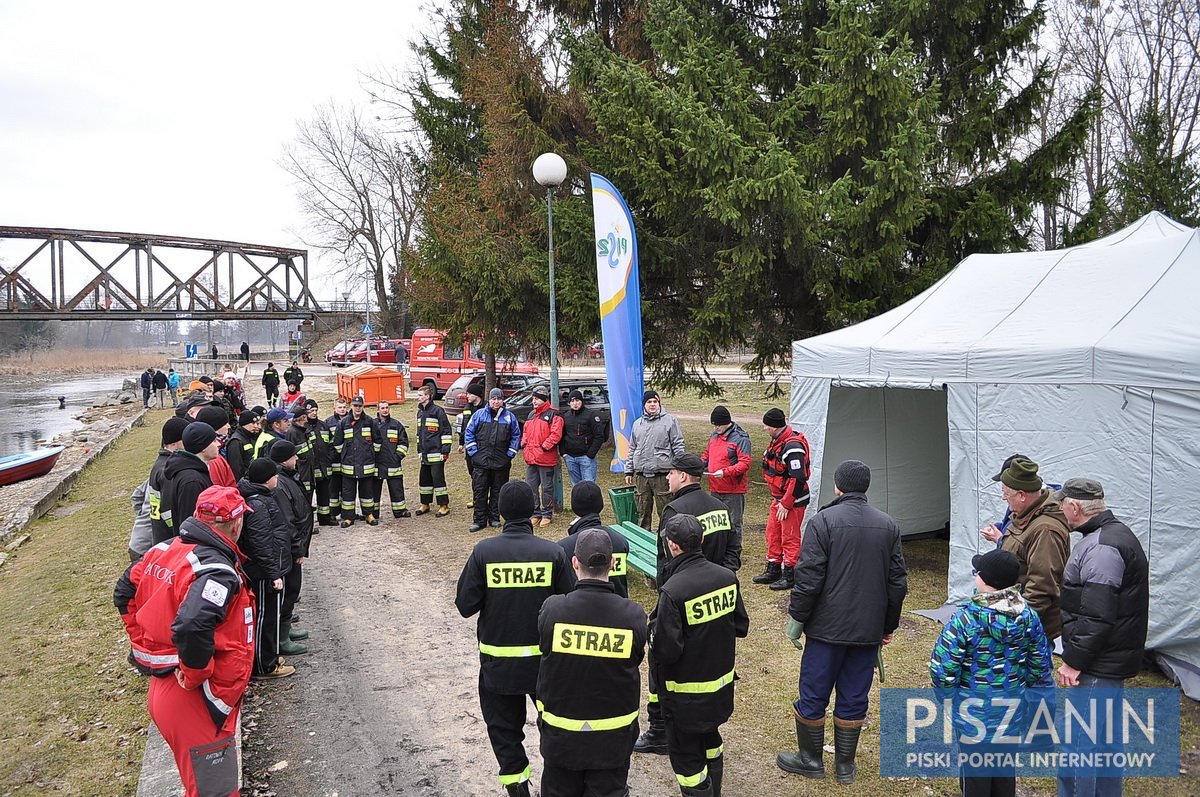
pixel 62 275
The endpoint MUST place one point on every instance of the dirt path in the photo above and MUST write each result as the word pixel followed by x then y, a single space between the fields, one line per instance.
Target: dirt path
pixel 385 702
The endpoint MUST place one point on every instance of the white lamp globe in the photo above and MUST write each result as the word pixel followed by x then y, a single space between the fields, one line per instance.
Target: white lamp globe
pixel 549 169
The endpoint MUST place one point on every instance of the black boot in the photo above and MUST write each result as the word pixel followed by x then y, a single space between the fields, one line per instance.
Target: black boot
pixel 518 789
pixel 654 739
pixel 768 576
pixel 786 578
pixel 705 789
pixel 845 746
pixel 810 743
pixel 716 771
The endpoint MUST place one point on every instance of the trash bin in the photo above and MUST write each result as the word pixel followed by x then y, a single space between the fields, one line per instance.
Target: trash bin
pixel 624 503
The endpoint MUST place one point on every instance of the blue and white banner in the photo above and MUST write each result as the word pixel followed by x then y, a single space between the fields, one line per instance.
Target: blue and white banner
pixel 620 310
pixel 1047 732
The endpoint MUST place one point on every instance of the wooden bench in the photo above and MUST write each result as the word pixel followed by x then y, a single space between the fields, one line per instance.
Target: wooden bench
pixel 643 547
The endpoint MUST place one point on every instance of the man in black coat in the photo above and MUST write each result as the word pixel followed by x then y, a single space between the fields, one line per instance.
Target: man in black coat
pixel 185 476
pixel 297 512
pixel 505 581
pixel 849 590
pixel 147 383
pixel 595 637
pixel 239 448
pixel 270 383
pixel 266 542
pixel 159 382
pixel 584 433
pixel 587 502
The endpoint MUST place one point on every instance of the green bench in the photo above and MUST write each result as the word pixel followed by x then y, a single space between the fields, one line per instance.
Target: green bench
pixel 643 547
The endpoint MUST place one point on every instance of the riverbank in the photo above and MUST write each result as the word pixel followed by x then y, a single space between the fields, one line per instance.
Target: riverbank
pixel 37 365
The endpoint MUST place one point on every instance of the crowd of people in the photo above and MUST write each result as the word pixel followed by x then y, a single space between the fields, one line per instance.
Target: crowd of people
pixel 225 519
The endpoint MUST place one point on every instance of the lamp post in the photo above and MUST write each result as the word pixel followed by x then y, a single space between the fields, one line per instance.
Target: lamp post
pixel 550 170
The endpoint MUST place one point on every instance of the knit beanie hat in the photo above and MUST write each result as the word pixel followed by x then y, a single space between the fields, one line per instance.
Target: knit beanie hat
pixel 852 476
pixel 216 417
pixel 575 394
pixel 198 436
pixel 516 501
pixel 261 470
pixel 586 499
pixel 775 418
pixel 247 418
pixel 172 430
pixel 282 450
pixel 720 416
pixel 650 394
pixel 495 393
pixel 1008 461
pixel 1022 475
pixel 475 389
pixel 998 569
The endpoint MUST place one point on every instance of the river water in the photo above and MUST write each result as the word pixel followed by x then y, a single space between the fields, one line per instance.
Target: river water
pixel 31 413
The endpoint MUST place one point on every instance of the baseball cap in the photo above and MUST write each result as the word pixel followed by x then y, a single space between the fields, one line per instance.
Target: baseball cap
pixel 683 530
pixel 593 547
pixel 276 414
pixel 688 463
pixel 220 504
pixel 1080 490
pixel 357 401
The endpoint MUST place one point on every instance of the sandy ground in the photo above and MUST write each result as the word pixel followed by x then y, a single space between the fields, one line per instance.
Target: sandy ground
pixel 386 700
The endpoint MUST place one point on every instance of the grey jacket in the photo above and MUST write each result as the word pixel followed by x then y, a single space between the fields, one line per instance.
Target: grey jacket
pixel 142 537
pixel 654 444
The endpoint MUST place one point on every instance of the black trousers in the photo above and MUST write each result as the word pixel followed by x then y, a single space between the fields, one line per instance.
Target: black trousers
pixel 690 753
pixel 431 483
pixel 504 716
pixel 365 490
pixel 321 489
pixel 988 787
pixel 266 626
pixel 559 782
pixel 272 395
pixel 395 485
pixel 334 483
pixel 291 592
pixel 485 488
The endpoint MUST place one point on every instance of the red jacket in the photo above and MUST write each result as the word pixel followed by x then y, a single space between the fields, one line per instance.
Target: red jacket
pixel 786 468
pixel 185 607
pixel 728 452
pixel 540 438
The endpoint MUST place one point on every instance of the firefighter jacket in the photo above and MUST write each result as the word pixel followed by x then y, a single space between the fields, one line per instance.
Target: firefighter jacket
pixel 296 507
pixel 596 638
pixel 505 581
pixel 693 630
pixel 393 447
pixel 728 452
pixel 434 437
pixel 302 438
pixel 464 418
pixel 583 434
pixel 721 546
pixel 540 439
pixel 618 576
pixel 332 423
pixel 262 444
pixel 270 379
pixel 266 536
pixel 785 466
pixel 239 451
pixel 185 608
pixel 357 443
pixel 292 375
pixel 154 485
pixel 185 476
pixel 492 438
pixel 322 445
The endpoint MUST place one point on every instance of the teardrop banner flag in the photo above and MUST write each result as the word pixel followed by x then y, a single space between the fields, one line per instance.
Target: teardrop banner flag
pixel 620 311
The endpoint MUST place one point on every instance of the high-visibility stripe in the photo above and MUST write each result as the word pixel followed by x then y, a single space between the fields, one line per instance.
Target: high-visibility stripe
pixel 155 660
pixel 198 568
pixel 714 521
pixel 512 780
pixel 701 687
pixel 653 697
pixel 217 702
pixel 714 752
pixel 602 724
pixel 510 651
pixel 691 781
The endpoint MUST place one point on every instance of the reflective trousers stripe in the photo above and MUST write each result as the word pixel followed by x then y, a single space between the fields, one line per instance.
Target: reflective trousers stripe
pixel 603 724
pixel 691 781
pixel 510 780
pixel 715 752
pixel 510 651
pixel 701 687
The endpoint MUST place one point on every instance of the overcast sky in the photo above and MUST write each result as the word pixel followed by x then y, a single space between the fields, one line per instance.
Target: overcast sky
pixel 171 118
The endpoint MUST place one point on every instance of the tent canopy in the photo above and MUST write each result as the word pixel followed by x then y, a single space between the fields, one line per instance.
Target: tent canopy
pixel 1087 359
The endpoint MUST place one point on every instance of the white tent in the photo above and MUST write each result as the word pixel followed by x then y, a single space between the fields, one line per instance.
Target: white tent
pixel 1086 359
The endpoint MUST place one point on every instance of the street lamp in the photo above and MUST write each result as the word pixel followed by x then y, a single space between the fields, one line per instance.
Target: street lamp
pixel 550 170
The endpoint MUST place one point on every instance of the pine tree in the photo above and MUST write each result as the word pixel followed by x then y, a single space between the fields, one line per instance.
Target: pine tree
pixel 1151 178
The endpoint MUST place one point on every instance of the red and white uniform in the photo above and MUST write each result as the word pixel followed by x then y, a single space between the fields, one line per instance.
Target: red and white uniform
pixel 786 467
pixel 186 609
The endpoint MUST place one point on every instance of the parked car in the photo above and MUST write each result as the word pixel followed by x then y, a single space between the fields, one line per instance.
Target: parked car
pixel 338 353
pixel 383 350
pixel 596 350
pixel 595 397
pixel 456 396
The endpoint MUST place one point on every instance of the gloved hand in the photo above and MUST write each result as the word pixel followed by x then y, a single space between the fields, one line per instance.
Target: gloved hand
pixel 794 629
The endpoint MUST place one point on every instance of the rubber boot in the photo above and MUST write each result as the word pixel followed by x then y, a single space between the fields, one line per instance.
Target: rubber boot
pixel 443 511
pixel 786 578
pixel 768 576
pixel 424 510
pixel 810 744
pixel 716 772
pixel 845 747
pixel 705 789
pixel 295 633
pixel 518 789
pixel 653 739
pixel 286 646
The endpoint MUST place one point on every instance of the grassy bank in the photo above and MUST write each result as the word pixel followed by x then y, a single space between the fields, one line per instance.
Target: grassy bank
pixel 44 362
pixel 73 717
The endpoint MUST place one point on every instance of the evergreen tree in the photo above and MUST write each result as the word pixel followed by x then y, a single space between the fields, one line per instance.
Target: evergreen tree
pixel 1151 178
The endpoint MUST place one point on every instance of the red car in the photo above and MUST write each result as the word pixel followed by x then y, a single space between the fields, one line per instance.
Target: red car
pixel 456 396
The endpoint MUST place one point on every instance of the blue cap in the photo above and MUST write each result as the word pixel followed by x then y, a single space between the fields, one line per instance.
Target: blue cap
pixel 276 414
